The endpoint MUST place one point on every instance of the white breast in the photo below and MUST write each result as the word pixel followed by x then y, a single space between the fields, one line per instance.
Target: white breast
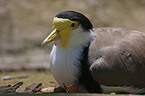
pixel 64 62
pixel 64 65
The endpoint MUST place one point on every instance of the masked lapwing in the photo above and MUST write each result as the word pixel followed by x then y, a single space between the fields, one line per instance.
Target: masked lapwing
pixel 96 60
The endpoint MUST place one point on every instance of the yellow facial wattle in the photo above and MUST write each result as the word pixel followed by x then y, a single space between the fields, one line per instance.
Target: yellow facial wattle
pixel 61 29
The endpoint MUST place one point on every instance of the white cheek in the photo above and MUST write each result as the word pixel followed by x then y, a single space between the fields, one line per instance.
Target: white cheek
pixel 79 37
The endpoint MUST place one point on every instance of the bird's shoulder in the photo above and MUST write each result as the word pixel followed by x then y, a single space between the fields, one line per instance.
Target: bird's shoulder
pixel 117 47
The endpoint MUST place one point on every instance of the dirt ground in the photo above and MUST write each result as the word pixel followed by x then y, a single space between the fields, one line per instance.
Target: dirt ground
pixel 40 76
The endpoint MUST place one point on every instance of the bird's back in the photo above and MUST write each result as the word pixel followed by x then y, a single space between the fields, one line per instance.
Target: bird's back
pixel 117 57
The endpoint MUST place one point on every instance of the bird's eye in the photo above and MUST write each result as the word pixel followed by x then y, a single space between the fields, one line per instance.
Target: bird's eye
pixel 74 25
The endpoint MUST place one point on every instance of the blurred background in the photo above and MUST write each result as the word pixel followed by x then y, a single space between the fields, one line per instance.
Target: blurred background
pixel 24 24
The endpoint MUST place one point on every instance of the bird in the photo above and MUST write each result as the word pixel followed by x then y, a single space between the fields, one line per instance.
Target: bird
pixel 96 60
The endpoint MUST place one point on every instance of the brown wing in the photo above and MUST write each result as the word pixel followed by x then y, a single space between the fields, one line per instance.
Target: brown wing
pixel 117 57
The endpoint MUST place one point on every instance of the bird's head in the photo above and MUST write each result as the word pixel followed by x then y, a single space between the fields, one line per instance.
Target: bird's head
pixel 68 23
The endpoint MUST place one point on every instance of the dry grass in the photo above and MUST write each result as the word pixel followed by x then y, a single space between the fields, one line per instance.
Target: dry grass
pixel 46 79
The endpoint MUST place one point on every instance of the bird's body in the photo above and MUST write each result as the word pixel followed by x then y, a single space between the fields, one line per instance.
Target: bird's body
pixel 106 60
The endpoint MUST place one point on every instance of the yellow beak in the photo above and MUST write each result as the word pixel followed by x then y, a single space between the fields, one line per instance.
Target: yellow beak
pixel 61 29
pixel 54 35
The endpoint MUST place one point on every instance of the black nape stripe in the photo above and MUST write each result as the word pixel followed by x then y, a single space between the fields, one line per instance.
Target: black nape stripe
pixel 86 78
pixel 76 16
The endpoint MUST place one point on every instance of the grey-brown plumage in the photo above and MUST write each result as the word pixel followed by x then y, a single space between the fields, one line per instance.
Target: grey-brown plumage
pixel 117 57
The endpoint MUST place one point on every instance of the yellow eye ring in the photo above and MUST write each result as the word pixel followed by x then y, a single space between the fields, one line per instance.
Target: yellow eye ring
pixel 74 24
